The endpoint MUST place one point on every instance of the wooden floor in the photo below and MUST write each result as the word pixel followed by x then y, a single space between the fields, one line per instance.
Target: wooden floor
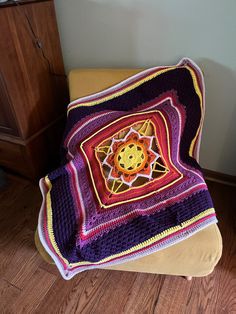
pixel 27 284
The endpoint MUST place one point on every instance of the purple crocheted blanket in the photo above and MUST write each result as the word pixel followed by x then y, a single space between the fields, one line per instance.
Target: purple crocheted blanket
pixel 130 184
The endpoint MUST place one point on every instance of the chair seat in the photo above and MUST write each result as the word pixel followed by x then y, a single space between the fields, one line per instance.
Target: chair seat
pixel 195 256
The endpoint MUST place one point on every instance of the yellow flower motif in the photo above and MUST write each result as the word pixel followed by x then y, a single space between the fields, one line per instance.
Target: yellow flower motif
pixel 131 157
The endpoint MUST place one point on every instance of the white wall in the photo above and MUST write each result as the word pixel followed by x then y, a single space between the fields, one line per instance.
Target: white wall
pixel 145 33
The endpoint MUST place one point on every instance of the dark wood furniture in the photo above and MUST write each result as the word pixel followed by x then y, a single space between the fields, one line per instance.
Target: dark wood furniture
pixel 33 87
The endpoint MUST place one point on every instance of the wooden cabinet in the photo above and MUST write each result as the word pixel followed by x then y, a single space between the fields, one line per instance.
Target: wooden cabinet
pixel 33 88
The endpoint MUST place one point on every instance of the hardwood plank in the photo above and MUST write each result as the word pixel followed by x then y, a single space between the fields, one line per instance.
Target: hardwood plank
pixel 120 285
pixel 33 292
pixel 144 296
pixel 20 258
pixel 7 294
pixel 20 276
pixel 72 291
pixel 94 299
pixel 86 290
pixel 202 295
pixel 96 291
pixel 9 250
pixel 51 268
pixel 174 292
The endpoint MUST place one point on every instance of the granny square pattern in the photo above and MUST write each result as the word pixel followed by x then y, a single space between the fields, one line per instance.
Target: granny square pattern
pixel 130 183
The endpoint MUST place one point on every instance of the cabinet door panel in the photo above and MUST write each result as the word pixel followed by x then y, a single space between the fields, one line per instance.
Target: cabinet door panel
pixel 38 97
pixel 7 121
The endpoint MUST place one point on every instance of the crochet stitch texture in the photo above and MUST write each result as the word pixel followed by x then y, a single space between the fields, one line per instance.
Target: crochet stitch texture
pixel 130 184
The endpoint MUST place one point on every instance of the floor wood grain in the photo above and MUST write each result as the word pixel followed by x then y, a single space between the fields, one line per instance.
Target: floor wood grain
pixel 29 285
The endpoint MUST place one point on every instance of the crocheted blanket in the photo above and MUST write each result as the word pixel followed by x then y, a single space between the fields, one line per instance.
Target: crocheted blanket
pixel 130 184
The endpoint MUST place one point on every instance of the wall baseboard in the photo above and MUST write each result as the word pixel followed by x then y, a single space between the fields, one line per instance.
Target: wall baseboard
pixel 219 177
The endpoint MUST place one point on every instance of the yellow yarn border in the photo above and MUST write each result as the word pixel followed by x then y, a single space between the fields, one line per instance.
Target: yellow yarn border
pixel 49 220
pixel 198 91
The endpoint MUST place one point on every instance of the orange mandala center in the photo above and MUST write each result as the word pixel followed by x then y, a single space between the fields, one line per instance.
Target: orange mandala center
pixel 131 157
